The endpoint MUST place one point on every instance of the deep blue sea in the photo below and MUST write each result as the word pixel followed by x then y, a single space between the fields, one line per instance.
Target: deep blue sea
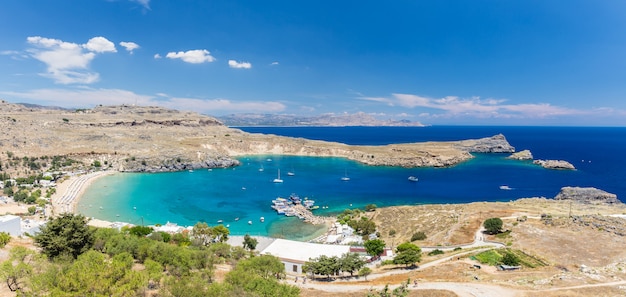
pixel 245 192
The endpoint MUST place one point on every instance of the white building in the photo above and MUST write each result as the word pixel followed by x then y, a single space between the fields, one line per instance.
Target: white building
pixel 294 254
pixel 11 224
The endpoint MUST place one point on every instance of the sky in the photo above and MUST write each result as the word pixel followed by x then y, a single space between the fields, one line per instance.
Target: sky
pixel 536 62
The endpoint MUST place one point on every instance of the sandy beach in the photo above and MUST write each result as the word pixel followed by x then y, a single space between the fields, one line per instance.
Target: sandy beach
pixel 69 191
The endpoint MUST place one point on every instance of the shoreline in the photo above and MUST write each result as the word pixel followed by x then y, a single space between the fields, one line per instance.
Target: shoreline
pixel 70 191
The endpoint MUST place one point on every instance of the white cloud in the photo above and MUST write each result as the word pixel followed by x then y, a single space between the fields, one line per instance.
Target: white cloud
pixel 223 105
pixel 274 63
pixel 453 106
pixel 192 56
pixel 129 46
pixel 157 56
pixel 144 3
pixel 239 65
pixel 82 97
pixel 88 97
pixel 67 62
pixel 100 45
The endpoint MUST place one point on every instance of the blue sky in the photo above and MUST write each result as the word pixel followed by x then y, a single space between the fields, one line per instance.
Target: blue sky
pixel 437 62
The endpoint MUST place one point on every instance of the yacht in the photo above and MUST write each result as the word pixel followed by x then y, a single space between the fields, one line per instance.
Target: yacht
pixel 278 180
pixel 345 177
pixel 413 178
pixel 262 219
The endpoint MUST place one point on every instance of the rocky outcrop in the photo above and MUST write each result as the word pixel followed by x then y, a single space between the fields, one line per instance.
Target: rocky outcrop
pixel 555 164
pixel 586 195
pixel 494 144
pixel 522 155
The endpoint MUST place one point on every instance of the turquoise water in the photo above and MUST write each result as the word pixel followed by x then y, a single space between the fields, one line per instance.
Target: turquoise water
pixel 246 193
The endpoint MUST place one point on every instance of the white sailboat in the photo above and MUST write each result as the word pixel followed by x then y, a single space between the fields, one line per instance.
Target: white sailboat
pixel 278 180
pixel 345 177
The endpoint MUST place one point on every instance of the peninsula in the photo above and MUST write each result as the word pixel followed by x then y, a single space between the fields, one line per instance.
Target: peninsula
pixel 154 139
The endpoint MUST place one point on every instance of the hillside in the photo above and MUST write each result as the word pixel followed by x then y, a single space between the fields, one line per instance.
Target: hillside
pixel 153 139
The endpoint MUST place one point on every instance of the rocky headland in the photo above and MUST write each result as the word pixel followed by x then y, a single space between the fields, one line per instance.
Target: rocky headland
pixel 155 139
pixel 587 195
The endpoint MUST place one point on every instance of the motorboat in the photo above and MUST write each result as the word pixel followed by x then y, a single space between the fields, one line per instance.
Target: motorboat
pixel 413 178
pixel 505 187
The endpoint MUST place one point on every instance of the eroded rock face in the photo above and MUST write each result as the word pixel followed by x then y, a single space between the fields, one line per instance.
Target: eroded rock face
pixel 586 195
pixel 522 155
pixel 493 144
pixel 555 164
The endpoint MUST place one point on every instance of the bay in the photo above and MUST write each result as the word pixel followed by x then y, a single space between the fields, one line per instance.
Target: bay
pixel 245 192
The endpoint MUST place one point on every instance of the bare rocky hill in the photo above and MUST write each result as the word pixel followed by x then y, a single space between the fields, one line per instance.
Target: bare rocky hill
pixel 152 139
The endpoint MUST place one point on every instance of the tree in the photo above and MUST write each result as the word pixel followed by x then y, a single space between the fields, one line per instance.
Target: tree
pixel 510 259
pixel 67 234
pixel 203 233
pixel 260 277
pixel 493 225
pixel 221 233
pixel 374 247
pixel 4 239
pixel 140 231
pixel 364 272
pixel 370 207
pixel 407 254
pixel 16 270
pixel 418 236
pixel 92 274
pixel 249 243
pixel 351 262
pixel 323 265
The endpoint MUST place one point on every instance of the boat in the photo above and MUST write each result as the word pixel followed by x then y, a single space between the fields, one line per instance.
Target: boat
pixel 505 187
pixel 262 219
pixel 290 173
pixel 134 207
pixel 249 222
pixel 413 178
pixel 236 219
pixel 261 169
pixel 278 180
pixel 345 177
pixel 220 221
pixel 190 170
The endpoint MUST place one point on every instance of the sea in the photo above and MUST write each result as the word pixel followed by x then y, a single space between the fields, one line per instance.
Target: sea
pixel 238 197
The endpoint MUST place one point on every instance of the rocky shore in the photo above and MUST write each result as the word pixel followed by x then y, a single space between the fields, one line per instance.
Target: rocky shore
pixel 587 195
pixel 154 139
pixel 526 155
pixel 554 164
pixel 308 217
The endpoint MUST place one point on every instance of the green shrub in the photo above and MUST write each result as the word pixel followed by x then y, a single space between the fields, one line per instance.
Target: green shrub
pixel 418 236
pixel 435 252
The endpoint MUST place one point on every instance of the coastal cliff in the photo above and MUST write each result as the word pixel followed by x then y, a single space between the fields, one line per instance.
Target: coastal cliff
pixel 587 195
pixel 155 139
